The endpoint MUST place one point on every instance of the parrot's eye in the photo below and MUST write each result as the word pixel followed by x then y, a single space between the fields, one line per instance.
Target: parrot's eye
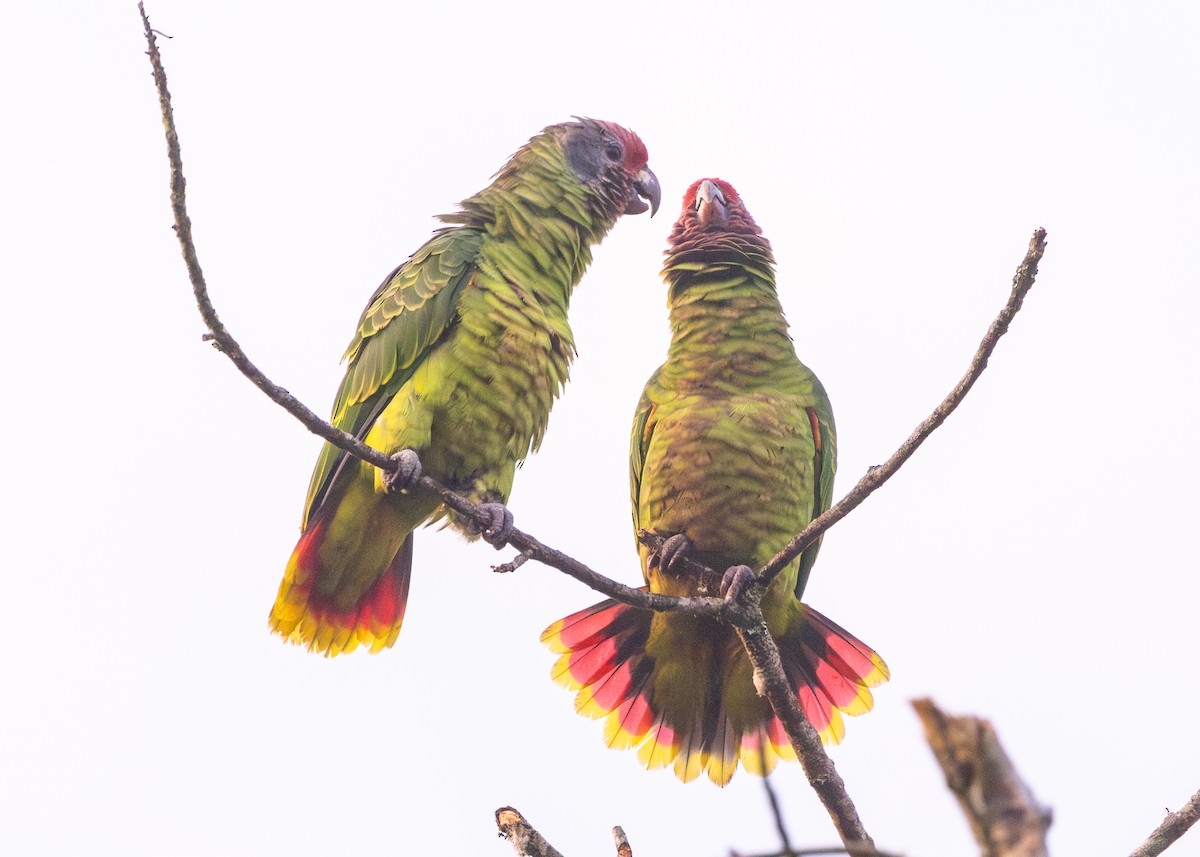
pixel 613 153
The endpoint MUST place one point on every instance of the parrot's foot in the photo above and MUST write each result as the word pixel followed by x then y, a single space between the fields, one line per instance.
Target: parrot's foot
pixel 672 553
pixel 406 475
pixel 497 532
pixel 737 578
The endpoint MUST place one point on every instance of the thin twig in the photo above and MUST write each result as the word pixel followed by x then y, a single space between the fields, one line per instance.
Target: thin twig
pixel 876 476
pixel 777 814
pixel 1174 826
pixel 512 565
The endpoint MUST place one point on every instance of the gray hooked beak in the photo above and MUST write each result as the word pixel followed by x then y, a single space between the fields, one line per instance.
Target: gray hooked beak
pixel 711 205
pixel 645 187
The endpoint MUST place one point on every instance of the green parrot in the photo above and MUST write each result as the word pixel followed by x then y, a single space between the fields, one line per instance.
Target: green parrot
pixel 733 453
pixel 458 358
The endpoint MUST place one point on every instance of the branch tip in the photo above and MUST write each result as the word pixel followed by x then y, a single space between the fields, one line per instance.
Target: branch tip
pixel 512 565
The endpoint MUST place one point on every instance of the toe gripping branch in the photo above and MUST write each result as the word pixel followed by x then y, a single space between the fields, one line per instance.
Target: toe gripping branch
pixel 670 556
pixel 407 473
pixel 497 531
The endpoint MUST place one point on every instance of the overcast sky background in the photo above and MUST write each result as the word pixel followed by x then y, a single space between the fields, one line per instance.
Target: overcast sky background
pixel 1034 563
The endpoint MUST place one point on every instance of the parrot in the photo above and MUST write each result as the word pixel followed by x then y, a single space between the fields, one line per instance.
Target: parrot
pixel 733 453
pixel 456 362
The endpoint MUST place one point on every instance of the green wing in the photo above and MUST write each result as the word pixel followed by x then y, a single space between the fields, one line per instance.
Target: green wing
pixel 411 310
pixel 644 423
pixel 825 465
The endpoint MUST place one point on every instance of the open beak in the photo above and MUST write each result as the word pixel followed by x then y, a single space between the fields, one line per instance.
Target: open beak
pixel 645 187
pixel 711 205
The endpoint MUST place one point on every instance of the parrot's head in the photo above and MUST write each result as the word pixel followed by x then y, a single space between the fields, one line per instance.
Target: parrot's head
pixel 714 228
pixel 712 205
pixel 611 160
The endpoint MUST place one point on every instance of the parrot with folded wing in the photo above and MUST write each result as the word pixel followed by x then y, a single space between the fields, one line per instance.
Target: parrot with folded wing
pixel 733 453
pixel 457 360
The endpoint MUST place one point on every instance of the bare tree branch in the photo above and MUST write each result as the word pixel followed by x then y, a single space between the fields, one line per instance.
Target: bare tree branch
pixel 1174 826
pixel 876 476
pixel 1006 819
pixel 525 840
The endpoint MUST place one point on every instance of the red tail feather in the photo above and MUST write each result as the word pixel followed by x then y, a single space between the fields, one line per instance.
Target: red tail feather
pixel 680 689
pixel 307 616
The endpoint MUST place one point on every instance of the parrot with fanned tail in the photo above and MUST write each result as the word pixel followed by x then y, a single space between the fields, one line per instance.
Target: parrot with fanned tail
pixel 733 453
pixel 457 360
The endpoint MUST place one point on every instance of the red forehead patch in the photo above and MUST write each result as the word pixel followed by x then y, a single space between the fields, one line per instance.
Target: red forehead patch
pixel 636 155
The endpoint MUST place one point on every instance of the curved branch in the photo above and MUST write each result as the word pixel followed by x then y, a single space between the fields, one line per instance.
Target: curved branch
pixel 876 476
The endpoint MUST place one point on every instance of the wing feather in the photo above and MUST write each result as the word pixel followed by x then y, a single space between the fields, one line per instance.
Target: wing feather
pixel 824 466
pixel 413 308
pixel 644 423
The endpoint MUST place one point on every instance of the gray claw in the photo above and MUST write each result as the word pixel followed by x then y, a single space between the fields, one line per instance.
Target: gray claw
pixel 407 473
pixel 735 581
pixel 496 534
pixel 672 553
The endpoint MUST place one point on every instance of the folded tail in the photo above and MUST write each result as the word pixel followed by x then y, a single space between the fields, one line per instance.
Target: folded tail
pixel 680 688
pixel 305 615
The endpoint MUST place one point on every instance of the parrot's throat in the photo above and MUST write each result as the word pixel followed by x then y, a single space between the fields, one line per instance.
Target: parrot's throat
pixel 727 325
pixel 541 228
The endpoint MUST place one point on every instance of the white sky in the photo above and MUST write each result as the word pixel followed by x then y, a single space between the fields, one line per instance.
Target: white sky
pixel 1034 563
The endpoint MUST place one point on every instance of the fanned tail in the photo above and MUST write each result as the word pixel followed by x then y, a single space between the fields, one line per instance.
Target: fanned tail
pixel 680 689
pixel 831 670
pixel 304 615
